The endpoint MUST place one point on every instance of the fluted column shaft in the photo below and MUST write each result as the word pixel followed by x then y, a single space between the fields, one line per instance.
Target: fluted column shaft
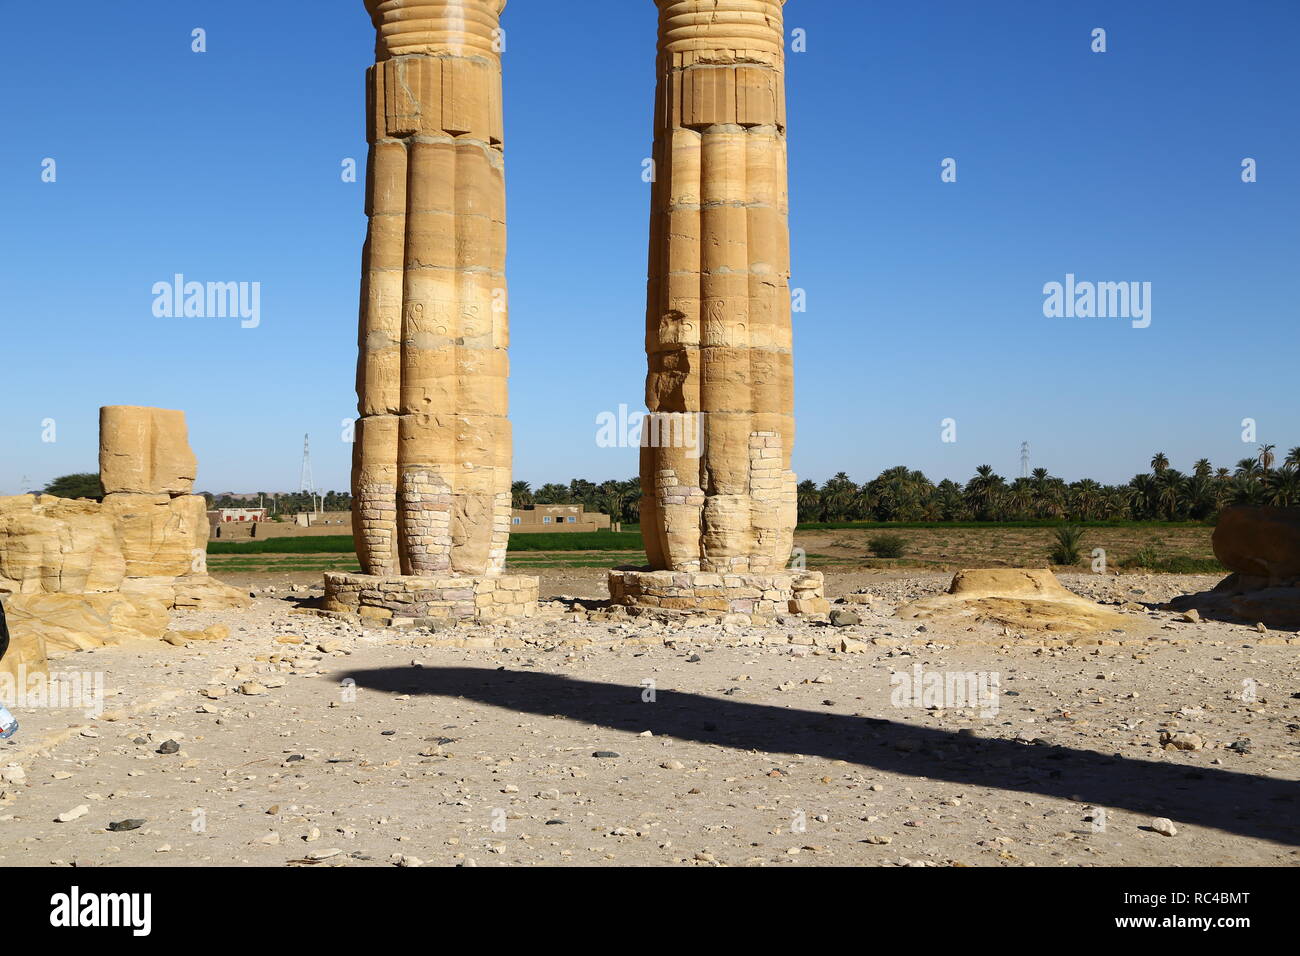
pixel 718 335
pixel 431 465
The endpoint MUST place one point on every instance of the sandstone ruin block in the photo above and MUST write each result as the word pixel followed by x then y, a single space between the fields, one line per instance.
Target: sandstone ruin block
pixel 145 451
pixel 160 536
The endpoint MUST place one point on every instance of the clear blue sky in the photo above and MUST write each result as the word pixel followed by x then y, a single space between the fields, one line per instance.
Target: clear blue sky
pixel 925 298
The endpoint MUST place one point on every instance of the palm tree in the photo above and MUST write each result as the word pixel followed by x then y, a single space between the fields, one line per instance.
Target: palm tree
pixel 810 502
pixel 521 495
pixel 1086 496
pixel 1203 468
pixel 984 492
pixel 1282 487
pixel 949 502
pixel 1293 457
pixel 582 492
pixel 1266 456
pixel 612 497
pixel 1115 502
pixel 1169 493
pixel 1142 495
pixel 1049 494
pixel 897 494
pixel 1200 496
pixel 1246 488
pixel 1223 490
pixel 552 494
pixel 837 497
pixel 1021 498
pixel 863 503
pixel 1159 462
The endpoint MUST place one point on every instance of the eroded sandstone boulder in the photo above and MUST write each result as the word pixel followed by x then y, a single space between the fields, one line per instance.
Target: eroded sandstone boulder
pixel 26 655
pixel 1260 545
pixel 54 545
pixel 1259 542
pixel 60 623
pixel 1023 598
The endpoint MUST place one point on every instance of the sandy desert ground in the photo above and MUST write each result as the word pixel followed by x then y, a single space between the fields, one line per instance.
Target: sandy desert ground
pixel 303 741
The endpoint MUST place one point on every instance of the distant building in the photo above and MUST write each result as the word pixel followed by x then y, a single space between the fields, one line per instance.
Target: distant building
pixel 244 518
pixel 556 518
pixel 224 515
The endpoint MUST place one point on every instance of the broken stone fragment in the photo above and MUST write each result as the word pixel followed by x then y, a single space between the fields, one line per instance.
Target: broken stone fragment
pixel 145 451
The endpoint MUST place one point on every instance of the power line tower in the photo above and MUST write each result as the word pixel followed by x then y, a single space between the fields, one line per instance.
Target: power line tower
pixel 1024 459
pixel 306 484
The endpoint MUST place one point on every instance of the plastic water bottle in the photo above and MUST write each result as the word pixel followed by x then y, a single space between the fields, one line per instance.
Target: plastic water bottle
pixel 8 725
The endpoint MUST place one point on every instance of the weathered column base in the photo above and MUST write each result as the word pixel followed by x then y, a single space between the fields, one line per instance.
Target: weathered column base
pixel 410 601
pixel 757 598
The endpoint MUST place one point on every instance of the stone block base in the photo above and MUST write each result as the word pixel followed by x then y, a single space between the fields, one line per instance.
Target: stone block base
pixel 755 597
pixel 412 601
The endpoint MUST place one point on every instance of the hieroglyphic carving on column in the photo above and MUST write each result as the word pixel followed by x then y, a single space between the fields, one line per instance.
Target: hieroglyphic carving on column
pixel 431 461
pixel 718 334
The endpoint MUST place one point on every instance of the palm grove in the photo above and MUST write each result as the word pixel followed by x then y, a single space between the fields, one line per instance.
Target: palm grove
pixel 902 494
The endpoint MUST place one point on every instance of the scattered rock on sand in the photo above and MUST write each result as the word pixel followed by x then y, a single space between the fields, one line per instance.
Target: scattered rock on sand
pixel 1164 826
pixel 76 813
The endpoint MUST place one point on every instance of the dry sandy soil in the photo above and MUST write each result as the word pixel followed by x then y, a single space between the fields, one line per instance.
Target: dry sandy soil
pixel 995 546
pixel 761 746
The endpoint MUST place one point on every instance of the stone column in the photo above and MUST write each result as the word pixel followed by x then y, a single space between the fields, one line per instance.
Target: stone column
pixel 432 454
pixel 432 462
pixel 718 335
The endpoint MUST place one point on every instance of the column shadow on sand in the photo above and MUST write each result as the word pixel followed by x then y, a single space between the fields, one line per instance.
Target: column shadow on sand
pixel 1240 803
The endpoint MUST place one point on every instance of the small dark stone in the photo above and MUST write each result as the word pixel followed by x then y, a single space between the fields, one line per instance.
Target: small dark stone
pixel 606 754
pixel 556 823
pixel 120 825
pixel 169 747
pixel 387 733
